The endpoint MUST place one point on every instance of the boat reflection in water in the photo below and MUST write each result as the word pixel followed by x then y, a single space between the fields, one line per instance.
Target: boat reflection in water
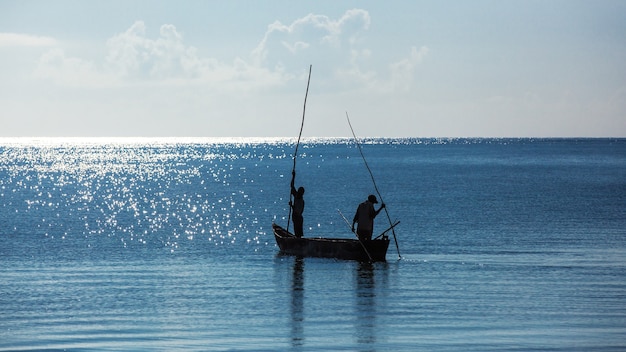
pixel 297 303
pixel 365 314
pixel 366 279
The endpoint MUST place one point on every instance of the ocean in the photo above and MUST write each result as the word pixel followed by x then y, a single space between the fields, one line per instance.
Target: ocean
pixel 166 245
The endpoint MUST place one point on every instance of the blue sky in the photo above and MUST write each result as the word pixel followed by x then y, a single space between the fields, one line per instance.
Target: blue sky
pixel 239 68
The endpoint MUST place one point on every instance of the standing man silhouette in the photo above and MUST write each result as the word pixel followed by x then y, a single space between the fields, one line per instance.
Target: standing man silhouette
pixel 364 216
pixel 297 207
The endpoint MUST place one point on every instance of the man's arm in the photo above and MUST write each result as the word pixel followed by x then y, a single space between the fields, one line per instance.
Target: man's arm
pixel 293 182
pixel 379 209
pixel 356 217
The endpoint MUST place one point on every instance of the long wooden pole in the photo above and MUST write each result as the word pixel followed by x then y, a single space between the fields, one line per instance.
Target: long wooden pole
pixel 374 182
pixel 295 153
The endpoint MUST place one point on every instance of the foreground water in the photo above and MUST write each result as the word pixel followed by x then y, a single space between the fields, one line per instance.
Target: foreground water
pixel 167 245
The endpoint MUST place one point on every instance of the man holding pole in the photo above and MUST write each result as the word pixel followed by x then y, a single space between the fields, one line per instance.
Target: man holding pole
pixel 364 216
pixel 297 206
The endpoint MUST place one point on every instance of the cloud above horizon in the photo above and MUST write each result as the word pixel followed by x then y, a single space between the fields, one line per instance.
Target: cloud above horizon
pixel 25 40
pixel 412 69
pixel 134 58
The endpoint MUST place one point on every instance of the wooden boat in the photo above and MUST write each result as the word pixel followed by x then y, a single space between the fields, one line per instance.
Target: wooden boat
pixel 374 250
pixel 339 248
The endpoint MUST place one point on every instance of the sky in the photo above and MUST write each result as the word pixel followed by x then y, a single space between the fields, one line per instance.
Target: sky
pixel 153 68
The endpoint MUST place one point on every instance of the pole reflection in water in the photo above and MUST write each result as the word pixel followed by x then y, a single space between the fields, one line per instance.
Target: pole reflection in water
pixel 365 305
pixel 297 306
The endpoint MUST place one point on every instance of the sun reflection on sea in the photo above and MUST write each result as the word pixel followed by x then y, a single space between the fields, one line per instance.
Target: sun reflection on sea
pixel 141 191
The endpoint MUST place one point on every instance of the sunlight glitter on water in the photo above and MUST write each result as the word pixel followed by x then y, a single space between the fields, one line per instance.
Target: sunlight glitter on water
pixel 134 246
pixel 129 188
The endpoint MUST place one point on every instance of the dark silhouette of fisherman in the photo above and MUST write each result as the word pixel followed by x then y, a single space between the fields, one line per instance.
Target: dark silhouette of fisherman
pixel 297 207
pixel 364 216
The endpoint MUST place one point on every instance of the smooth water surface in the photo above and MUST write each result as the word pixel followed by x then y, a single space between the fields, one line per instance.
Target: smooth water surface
pixel 506 244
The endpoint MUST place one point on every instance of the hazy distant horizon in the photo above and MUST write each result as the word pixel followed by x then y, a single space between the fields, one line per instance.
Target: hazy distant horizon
pixel 238 68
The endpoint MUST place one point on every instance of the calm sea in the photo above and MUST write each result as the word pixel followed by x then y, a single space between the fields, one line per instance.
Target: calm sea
pixel 165 245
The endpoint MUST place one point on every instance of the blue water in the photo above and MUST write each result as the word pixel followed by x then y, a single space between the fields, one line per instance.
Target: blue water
pixel 506 245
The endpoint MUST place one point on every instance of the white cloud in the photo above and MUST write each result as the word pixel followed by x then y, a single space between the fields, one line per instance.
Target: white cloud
pixel 133 55
pixel 403 71
pixel 317 33
pixel 18 39
pixel 71 71
pixel 400 77
pixel 134 58
pixel 355 72
pixel 341 44
pixel 297 46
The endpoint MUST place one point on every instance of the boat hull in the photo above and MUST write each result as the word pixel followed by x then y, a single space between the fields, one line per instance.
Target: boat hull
pixel 340 248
